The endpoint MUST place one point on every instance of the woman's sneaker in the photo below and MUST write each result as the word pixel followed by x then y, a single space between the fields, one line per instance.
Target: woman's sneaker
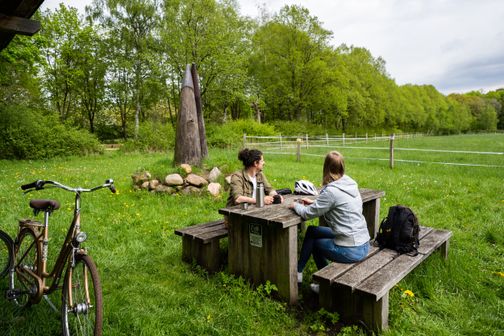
pixel 315 288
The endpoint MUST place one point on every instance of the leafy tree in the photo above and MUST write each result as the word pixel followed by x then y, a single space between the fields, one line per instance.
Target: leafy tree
pixel 289 63
pixel 60 50
pixel 484 116
pixel 497 100
pixel 92 66
pixel 131 42
pixel 74 67
pixel 18 82
pixel 212 35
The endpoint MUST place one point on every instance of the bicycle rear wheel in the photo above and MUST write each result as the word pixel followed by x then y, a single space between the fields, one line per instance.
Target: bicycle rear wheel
pixel 27 257
pixel 5 253
pixel 82 307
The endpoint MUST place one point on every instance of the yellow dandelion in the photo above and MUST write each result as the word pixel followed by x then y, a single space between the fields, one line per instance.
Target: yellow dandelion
pixel 408 293
pixel 501 274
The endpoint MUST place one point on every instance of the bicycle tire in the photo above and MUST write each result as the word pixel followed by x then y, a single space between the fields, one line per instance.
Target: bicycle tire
pixel 27 255
pixel 84 314
pixel 5 253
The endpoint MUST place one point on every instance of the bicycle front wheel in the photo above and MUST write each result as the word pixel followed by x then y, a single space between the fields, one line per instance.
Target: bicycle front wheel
pixel 82 307
pixel 5 253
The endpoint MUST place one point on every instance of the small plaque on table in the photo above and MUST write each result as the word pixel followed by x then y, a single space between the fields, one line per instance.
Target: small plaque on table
pixel 255 234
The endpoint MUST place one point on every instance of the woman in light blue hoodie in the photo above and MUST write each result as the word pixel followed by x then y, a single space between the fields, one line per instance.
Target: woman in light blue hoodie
pixel 345 238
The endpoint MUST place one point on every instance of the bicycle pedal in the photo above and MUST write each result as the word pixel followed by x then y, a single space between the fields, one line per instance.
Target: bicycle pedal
pixel 12 294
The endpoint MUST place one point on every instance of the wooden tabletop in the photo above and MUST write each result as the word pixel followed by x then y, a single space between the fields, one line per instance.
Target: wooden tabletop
pixel 279 215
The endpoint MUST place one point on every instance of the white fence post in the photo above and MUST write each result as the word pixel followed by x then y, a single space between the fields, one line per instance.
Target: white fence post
pixel 392 136
pixel 306 137
pixel 244 140
pixel 298 152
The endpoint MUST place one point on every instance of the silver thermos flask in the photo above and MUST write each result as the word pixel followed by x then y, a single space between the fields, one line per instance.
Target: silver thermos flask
pixel 260 195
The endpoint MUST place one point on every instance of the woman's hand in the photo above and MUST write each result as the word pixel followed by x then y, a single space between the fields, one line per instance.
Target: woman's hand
pixel 304 201
pixel 268 199
pixel 307 201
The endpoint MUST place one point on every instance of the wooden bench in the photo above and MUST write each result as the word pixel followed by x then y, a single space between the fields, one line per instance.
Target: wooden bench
pixel 360 291
pixel 200 243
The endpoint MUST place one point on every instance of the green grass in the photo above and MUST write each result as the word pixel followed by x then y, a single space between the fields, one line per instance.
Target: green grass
pixel 148 290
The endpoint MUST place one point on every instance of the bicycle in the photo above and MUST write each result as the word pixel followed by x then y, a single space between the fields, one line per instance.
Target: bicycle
pixel 81 309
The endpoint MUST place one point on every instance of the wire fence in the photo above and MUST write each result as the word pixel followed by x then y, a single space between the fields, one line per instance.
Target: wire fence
pixel 310 146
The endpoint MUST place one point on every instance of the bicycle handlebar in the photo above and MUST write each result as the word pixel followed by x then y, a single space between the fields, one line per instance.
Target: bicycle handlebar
pixel 39 185
pixel 32 185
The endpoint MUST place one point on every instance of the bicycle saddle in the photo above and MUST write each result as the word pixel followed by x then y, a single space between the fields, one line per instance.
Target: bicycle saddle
pixel 44 205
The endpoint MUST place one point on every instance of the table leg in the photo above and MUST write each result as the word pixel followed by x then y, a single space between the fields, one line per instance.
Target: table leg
pixel 275 260
pixel 371 211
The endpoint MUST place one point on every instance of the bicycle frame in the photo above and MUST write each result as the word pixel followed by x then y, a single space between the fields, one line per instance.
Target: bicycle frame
pixel 69 248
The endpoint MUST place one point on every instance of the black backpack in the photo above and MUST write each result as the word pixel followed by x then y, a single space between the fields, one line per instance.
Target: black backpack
pixel 399 231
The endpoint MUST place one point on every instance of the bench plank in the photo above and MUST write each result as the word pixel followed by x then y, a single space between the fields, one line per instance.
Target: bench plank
pixel 370 194
pixel 194 230
pixel 433 240
pixel 366 268
pixel 387 277
pixel 206 237
pixel 333 270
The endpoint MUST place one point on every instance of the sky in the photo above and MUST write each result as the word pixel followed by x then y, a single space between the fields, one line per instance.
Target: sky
pixel 455 45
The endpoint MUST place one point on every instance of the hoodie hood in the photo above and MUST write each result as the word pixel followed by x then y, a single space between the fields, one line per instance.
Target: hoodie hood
pixel 347 185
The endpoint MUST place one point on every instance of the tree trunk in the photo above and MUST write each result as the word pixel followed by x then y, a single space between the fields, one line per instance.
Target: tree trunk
pixel 257 110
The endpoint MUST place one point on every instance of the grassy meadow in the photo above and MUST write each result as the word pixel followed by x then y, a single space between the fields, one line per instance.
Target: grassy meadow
pixel 148 290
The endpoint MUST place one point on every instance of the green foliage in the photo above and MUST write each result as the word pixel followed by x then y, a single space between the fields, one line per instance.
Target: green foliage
pixel 352 331
pixel 299 128
pixel 121 65
pixel 212 35
pixel 17 71
pixel 27 134
pixel 267 289
pixel 231 133
pixel 321 320
pixel 151 137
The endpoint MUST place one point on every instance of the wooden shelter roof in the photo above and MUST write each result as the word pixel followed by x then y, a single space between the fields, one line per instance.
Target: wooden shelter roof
pixel 15 19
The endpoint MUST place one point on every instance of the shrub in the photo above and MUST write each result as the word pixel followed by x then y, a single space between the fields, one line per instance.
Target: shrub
pixel 295 128
pixel 152 137
pixel 230 134
pixel 28 134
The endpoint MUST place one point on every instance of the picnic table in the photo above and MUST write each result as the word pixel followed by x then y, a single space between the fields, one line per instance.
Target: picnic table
pixel 263 241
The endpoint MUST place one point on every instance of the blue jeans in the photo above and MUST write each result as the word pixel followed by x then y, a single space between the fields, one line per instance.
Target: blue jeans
pixel 319 242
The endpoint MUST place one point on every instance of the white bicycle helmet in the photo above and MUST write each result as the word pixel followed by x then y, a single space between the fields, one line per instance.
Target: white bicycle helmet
pixel 303 187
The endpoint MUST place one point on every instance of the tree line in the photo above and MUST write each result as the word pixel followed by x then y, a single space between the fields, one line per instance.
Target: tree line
pixel 121 63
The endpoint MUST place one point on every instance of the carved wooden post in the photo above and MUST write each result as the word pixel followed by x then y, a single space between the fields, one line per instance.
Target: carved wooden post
pixel 199 112
pixel 187 142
